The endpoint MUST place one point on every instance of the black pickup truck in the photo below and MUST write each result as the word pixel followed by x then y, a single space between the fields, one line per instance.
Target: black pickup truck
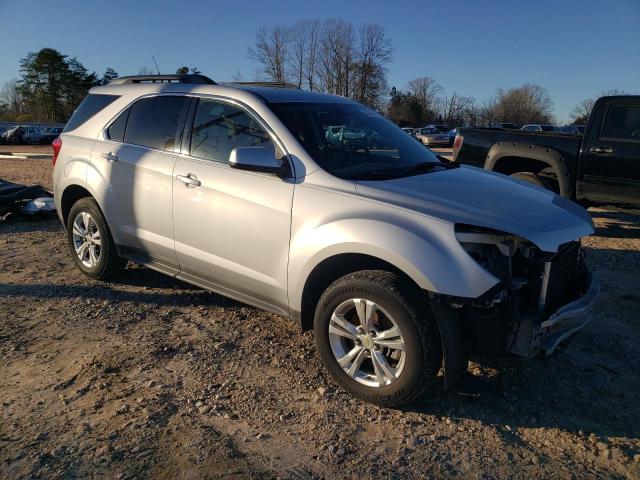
pixel 602 166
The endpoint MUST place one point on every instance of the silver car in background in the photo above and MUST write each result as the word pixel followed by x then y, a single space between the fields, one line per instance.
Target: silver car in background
pixel 400 263
pixel 432 137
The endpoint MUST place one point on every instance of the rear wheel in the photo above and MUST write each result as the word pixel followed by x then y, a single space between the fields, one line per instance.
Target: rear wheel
pixel 90 241
pixel 377 338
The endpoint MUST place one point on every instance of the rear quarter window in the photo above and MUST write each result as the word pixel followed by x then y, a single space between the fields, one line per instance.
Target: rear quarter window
pixel 91 105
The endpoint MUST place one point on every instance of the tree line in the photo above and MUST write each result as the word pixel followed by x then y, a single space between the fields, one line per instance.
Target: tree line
pixel 50 87
pixel 331 56
pixel 424 102
pixel 335 56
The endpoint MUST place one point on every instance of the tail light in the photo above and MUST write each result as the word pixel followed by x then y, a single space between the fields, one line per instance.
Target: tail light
pixel 457 144
pixel 57 146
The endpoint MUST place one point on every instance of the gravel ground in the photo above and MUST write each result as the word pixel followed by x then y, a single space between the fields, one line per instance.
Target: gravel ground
pixel 148 377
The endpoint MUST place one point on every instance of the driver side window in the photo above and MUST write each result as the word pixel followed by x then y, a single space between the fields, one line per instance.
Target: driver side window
pixel 219 127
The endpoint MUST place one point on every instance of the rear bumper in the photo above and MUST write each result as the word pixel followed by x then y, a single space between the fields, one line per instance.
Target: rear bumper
pixel 533 336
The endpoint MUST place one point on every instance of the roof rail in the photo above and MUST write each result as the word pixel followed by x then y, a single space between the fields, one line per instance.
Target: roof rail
pixel 266 84
pixel 196 79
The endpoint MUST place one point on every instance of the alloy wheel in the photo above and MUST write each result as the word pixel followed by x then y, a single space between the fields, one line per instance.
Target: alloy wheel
pixel 366 342
pixel 86 239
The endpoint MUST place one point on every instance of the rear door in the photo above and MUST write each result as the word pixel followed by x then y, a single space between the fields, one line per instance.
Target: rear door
pixel 232 227
pixel 611 153
pixel 138 159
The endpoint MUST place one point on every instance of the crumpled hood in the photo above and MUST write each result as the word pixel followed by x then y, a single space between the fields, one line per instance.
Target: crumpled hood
pixel 477 197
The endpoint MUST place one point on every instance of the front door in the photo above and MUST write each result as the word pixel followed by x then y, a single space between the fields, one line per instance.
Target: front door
pixel 611 164
pixel 231 226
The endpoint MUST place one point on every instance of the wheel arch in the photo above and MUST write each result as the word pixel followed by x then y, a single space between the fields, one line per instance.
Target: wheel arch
pixel 515 157
pixel 332 268
pixel 71 194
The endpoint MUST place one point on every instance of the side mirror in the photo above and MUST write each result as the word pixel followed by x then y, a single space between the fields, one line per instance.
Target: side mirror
pixel 256 159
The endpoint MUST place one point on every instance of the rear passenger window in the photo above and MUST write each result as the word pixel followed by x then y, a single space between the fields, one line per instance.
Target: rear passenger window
pixel 622 122
pixel 115 131
pixel 153 122
pixel 220 127
pixel 91 105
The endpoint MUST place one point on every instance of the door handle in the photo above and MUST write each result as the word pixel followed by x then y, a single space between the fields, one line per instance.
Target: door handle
pixel 110 156
pixel 602 151
pixel 189 180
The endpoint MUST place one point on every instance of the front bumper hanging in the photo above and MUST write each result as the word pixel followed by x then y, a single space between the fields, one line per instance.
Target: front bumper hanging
pixel 533 335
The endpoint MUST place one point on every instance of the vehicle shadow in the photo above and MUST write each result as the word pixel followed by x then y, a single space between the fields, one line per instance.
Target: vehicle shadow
pixel 618 222
pixel 565 391
pixel 159 289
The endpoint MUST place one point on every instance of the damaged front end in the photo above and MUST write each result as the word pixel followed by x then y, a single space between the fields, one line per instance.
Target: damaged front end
pixel 541 300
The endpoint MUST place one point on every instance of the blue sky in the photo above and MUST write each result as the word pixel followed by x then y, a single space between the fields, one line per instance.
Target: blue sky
pixel 575 49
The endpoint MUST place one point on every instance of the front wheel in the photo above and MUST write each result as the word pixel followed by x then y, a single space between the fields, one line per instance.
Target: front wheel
pixel 377 337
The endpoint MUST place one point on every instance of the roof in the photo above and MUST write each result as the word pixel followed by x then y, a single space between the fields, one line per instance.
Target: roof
pixel 276 95
pixel 196 83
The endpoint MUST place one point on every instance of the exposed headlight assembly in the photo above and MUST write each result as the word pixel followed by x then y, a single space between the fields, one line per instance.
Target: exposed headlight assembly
pixel 493 250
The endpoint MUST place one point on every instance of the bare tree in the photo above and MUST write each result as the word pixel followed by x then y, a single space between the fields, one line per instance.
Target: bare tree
pixel 270 52
pixel 329 56
pixel 374 52
pixel 314 31
pixel 580 113
pixel 337 57
pixel 11 99
pixel 298 51
pixel 146 71
pixel 526 104
pixel 427 91
pixel 456 108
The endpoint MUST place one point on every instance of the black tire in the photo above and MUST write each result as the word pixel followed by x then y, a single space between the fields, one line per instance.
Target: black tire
pixel 109 263
pixel 533 179
pixel 408 306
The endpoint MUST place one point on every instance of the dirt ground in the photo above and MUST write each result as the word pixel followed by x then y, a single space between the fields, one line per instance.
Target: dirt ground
pixel 148 377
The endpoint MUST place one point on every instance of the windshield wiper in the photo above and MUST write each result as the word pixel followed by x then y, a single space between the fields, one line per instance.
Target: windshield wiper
pixel 374 175
pixel 422 167
pixel 396 172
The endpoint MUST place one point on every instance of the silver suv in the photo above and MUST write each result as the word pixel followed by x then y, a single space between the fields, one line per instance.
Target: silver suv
pixel 402 263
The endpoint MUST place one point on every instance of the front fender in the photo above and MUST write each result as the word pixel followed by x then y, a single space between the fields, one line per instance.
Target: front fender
pixel 432 256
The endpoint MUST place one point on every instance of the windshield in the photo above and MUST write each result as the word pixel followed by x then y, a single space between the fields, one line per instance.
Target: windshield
pixel 352 142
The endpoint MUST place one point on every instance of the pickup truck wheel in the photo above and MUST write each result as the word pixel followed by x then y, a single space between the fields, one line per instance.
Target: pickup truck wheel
pixel 377 338
pixel 534 179
pixel 92 247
